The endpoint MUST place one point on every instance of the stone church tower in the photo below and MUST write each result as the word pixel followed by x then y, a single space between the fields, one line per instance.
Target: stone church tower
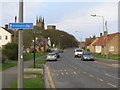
pixel 40 23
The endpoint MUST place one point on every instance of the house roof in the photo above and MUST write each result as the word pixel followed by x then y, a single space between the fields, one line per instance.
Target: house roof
pixel 102 40
pixel 89 41
pixel 8 30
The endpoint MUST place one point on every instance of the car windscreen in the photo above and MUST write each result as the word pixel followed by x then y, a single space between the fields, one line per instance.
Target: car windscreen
pixel 51 54
pixel 79 50
pixel 87 53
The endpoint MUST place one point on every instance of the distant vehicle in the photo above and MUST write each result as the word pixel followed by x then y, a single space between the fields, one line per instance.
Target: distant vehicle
pixel 57 53
pixel 78 52
pixel 51 56
pixel 87 56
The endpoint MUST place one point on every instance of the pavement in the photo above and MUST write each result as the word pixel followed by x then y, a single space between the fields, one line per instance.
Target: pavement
pixel 10 75
pixel 70 72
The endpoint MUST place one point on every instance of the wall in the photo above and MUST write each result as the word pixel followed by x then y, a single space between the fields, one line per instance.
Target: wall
pixel 4 33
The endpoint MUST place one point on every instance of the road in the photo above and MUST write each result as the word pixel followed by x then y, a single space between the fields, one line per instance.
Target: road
pixel 70 72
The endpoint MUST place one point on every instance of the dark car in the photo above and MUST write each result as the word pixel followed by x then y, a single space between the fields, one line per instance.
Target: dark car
pixel 61 51
pixel 87 56
pixel 57 53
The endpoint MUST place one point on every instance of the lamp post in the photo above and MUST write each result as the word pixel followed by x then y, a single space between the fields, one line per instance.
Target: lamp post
pixel 35 38
pixel 60 41
pixel 80 38
pixel 103 28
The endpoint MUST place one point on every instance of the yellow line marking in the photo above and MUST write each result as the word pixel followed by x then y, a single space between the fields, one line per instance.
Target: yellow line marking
pixel 111 85
pixel 91 75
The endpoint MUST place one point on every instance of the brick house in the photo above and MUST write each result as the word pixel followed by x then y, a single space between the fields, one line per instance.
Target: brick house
pixel 107 45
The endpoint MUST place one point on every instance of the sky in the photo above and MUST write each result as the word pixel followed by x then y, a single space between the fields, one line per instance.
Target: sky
pixel 72 17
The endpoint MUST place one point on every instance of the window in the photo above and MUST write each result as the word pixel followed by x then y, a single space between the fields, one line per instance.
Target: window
pixel 6 37
pixel 111 48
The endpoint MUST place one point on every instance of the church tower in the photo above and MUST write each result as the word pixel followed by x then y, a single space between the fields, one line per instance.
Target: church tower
pixel 40 23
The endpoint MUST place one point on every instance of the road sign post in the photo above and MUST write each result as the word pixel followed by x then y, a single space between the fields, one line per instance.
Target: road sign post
pixel 20 49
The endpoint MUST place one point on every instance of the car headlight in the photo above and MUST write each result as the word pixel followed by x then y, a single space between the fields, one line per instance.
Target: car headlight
pixel 85 57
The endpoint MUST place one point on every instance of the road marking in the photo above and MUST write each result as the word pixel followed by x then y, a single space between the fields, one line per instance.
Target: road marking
pixel 65 70
pixel 85 72
pixel 100 79
pixel 67 73
pixel 111 85
pixel 111 76
pixel 74 72
pixel 91 75
pixel 57 74
pixel 62 73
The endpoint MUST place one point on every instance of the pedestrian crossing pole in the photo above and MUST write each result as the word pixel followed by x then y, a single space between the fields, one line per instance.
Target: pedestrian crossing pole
pixel 20 48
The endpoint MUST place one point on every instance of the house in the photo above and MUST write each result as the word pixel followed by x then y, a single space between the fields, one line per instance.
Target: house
pixel 89 43
pixel 107 45
pixel 6 36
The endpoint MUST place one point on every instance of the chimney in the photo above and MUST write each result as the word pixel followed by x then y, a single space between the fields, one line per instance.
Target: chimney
pixel 105 33
pixel 94 36
pixel 100 34
pixel 6 26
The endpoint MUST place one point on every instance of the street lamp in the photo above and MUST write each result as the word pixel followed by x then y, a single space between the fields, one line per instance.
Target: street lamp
pixel 80 38
pixel 94 15
pixel 35 38
pixel 60 41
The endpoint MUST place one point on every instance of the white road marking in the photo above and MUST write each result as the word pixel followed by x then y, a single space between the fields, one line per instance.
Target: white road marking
pixel 66 72
pixel 62 73
pixel 111 85
pixel 84 72
pixel 74 72
pixel 91 75
pixel 111 76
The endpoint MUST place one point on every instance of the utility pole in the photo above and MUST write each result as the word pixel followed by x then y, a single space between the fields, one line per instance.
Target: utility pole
pixel 20 48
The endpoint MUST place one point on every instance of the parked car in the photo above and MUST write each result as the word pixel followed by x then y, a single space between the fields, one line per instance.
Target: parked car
pixel 51 56
pixel 87 56
pixel 78 52
pixel 57 53
pixel 61 51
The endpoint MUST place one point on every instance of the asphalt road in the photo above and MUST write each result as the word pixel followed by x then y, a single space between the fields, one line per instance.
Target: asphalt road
pixel 70 72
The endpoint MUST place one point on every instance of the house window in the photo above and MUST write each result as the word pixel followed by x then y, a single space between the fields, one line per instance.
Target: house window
pixel 6 37
pixel 0 37
pixel 111 48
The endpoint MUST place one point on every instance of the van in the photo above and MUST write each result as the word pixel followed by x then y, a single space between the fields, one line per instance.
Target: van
pixel 78 52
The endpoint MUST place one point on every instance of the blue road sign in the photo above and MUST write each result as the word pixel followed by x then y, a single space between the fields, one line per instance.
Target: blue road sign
pixel 20 26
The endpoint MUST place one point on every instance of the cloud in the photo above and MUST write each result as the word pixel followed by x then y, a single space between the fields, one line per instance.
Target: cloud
pixel 82 21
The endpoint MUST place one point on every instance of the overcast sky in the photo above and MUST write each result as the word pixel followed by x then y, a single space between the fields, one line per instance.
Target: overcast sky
pixel 72 17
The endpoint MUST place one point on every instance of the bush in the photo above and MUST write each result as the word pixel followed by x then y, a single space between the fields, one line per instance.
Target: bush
pixel 10 50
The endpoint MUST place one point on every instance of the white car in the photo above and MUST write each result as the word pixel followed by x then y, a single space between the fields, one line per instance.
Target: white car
pixel 51 56
pixel 78 52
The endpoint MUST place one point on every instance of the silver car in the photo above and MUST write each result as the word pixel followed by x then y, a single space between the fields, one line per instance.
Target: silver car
pixel 51 56
pixel 87 56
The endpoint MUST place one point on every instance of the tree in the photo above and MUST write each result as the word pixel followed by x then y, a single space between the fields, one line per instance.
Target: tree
pixel 10 50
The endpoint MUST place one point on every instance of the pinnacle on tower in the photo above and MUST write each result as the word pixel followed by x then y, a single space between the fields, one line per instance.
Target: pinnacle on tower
pixel 37 19
pixel 40 19
pixel 43 19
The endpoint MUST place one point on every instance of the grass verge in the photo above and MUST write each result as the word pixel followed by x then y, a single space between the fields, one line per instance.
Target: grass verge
pixel 41 61
pixel 36 82
pixel 6 66
pixel 113 57
pixel 37 66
